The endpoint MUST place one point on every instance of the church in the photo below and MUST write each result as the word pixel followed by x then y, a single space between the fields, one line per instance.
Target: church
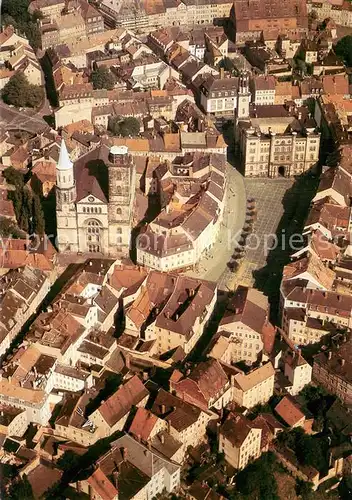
pixel 94 201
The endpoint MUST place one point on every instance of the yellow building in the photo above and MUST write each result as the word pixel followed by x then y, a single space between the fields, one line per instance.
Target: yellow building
pixel 256 387
pixel 246 323
pixel 239 440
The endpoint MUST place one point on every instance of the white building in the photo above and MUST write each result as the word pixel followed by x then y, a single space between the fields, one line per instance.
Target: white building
pixel 218 96
pixel 263 89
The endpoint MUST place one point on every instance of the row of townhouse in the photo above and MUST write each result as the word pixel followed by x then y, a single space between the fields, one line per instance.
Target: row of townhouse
pixel 72 22
pixel 22 292
pixel 17 55
pixel 181 233
pixel 315 298
pixel 143 17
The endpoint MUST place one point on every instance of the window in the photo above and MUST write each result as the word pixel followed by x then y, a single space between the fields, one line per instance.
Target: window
pixel 118 211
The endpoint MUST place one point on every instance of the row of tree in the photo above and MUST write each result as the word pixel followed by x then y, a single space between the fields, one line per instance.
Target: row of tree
pixel 20 93
pixel 26 204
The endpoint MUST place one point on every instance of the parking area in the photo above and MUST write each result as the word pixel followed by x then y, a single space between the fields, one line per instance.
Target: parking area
pixel 268 195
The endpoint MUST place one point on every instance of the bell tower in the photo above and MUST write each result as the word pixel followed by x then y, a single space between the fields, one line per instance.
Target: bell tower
pixel 65 182
pixel 122 174
pixel 242 108
pixel 243 98
pixel 65 202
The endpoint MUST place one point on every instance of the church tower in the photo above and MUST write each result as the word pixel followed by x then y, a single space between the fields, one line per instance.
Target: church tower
pixel 122 178
pixel 65 203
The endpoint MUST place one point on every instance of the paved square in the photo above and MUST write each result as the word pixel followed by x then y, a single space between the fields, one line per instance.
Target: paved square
pixel 268 195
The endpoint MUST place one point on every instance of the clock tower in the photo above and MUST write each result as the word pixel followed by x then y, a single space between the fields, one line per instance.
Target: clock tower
pixel 122 180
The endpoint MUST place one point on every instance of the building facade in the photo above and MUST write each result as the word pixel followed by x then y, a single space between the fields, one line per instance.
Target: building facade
pixel 94 201
pixel 277 141
pixel 239 440
pixel 333 371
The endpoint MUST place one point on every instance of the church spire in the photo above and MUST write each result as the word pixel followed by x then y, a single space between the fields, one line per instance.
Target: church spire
pixel 64 159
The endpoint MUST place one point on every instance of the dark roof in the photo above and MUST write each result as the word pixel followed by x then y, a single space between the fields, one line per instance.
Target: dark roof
pixel 236 428
pixel 178 413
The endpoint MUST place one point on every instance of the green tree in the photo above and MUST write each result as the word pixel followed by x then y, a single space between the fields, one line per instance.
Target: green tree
pixel 124 126
pixel 16 198
pixel 15 91
pixel 35 95
pixel 304 490
pixel 257 479
pixel 14 177
pixel 114 124
pixel 130 126
pixel 17 10
pixel 8 228
pixel 311 451
pixel 21 489
pixel 16 13
pixel 19 92
pixel 228 65
pixel 102 78
pixel 68 460
pixel 38 221
pixel 343 49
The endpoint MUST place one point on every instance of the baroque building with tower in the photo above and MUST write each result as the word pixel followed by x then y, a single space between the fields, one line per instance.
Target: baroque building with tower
pixel 274 140
pixel 95 200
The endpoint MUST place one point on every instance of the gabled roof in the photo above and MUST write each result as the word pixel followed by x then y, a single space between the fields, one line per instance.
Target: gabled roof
pixel 236 429
pixel 289 411
pixel 120 403
pixel 178 413
pixel 143 424
pixel 255 377
pixel 101 485
pixel 250 307
pixel 203 384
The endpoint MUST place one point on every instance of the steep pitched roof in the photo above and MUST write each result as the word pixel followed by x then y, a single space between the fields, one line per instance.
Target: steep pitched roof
pixel 101 485
pixel 236 429
pixel 255 377
pixel 289 411
pixel 143 424
pixel 250 307
pixel 121 402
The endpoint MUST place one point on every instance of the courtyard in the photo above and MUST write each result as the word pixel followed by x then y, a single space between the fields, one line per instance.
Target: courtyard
pixel 282 208
pixel 268 195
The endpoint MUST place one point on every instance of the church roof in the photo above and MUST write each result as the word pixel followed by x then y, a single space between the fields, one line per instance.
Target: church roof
pixel 64 159
pixel 91 174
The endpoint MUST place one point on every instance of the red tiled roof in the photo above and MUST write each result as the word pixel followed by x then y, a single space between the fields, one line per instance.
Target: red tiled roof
pixel 289 411
pixel 143 424
pixel 102 486
pixel 120 403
